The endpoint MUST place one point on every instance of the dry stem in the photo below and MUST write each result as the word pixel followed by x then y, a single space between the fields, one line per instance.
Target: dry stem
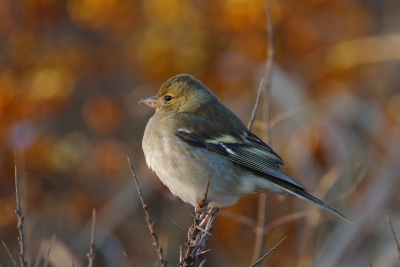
pixel 46 259
pixel 262 199
pixel 393 233
pixel 92 252
pixel 369 263
pixel 150 224
pixel 267 254
pixel 9 254
pixel 131 262
pixel 198 233
pixel 20 225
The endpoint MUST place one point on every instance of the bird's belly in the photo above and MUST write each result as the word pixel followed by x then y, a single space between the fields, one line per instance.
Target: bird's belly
pixel 185 171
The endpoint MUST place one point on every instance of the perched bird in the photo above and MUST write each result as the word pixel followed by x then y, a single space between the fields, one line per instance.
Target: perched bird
pixel 193 136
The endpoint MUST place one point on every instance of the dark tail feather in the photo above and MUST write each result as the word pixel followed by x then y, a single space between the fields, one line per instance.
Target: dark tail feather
pixel 310 198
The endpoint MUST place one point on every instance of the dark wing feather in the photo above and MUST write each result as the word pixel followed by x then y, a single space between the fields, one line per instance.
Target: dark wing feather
pixel 243 148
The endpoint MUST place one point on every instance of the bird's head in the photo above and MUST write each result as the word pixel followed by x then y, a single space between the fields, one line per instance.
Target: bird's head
pixel 181 93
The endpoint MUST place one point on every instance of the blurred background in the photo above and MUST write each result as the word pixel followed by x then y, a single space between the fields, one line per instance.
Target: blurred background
pixel 73 71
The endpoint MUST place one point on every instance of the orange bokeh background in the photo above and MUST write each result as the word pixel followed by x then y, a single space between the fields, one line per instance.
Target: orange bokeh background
pixel 73 71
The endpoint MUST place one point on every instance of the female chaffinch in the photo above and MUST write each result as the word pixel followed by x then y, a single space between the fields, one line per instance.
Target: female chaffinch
pixel 193 136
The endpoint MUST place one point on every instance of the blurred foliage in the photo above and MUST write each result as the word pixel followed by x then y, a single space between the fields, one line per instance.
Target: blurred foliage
pixel 73 71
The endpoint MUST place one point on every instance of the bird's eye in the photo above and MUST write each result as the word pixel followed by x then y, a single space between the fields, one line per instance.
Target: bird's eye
pixel 168 98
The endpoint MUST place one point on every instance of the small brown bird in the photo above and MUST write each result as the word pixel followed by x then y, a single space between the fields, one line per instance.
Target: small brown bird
pixel 193 136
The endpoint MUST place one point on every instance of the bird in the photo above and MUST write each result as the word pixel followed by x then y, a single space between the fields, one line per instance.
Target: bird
pixel 193 138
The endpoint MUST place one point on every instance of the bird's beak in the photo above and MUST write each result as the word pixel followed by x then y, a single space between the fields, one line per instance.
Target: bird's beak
pixel 151 102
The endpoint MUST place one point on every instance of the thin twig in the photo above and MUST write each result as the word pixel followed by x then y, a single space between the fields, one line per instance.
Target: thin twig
pixel 46 259
pixel 268 253
pixel 150 224
pixel 278 119
pixel 239 218
pixel 351 190
pixel 255 109
pixel 92 247
pixel 131 262
pixel 369 263
pixel 20 225
pixel 39 255
pixel 262 198
pixel 393 233
pixel 72 263
pixel 177 227
pixel 9 254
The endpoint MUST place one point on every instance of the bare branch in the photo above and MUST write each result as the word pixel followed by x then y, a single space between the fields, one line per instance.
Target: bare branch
pixel 198 233
pixel 393 233
pixel 255 109
pixel 239 218
pixel 268 253
pixel 262 198
pixel 179 229
pixel 131 262
pixel 92 251
pixel 351 190
pixel 150 224
pixel 9 254
pixel 20 225
pixel 369 263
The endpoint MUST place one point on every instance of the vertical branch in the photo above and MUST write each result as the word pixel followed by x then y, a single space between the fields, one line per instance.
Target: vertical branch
pixel 150 224
pixel 262 198
pixel 92 252
pixel 20 225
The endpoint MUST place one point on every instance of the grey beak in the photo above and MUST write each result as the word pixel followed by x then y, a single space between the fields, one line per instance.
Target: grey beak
pixel 151 102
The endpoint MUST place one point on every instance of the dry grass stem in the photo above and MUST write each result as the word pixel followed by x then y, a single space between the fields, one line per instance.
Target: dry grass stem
pixel 126 256
pixel 393 233
pixel 39 255
pixel 239 218
pixel 92 248
pixel 267 254
pixel 150 224
pixel 179 229
pixel 20 225
pixel 277 119
pixel 262 198
pixel 351 190
pixel 9 254
pixel 46 259
pixel 369 263
pixel 198 233
pixel 256 105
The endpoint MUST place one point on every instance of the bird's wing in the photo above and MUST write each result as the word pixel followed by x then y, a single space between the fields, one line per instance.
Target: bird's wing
pixel 241 147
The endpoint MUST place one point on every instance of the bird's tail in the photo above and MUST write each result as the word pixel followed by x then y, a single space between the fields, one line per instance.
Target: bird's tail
pixel 300 193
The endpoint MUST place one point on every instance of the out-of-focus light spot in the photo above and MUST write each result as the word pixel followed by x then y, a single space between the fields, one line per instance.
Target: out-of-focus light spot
pixel 233 66
pixel 6 211
pixel 22 135
pixel 70 152
pixel 394 106
pixel 102 114
pixel 51 83
pixel 110 158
